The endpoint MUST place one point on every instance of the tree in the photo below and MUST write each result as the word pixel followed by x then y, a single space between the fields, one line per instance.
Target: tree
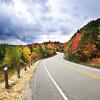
pixel 2 52
pixel 89 51
pixel 12 56
pixel 75 43
pixel 34 56
pixel 26 54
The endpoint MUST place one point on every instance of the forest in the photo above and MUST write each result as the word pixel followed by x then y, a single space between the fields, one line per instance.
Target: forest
pixel 13 55
pixel 84 46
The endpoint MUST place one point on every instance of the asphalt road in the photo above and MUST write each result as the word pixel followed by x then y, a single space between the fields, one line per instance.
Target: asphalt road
pixel 58 79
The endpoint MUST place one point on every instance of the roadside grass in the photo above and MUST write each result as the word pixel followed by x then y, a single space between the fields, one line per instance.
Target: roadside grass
pixel 1 76
pixel 11 72
pixel 90 65
pixel 18 87
pixel 86 64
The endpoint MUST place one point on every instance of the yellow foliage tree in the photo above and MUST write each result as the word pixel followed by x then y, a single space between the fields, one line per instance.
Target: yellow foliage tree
pixel 27 54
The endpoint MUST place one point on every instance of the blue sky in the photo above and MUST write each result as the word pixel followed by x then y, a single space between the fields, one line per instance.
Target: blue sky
pixel 28 21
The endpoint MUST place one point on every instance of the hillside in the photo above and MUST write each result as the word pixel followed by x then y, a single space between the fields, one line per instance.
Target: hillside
pixel 84 46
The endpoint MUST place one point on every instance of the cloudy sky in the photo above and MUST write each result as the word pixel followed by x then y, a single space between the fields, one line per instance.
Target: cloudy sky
pixel 28 21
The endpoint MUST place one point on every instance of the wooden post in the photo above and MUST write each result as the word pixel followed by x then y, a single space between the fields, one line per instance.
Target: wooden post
pixel 32 62
pixel 6 77
pixel 18 70
pixel 29 65
pixel 25 67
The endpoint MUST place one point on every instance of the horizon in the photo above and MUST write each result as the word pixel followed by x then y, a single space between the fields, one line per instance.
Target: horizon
pixel 16 44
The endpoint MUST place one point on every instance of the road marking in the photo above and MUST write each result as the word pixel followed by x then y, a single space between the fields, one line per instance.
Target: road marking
pixel 56 85
pixel 81 72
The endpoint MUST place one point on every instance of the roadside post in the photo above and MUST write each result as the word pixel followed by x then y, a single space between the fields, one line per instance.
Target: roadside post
pixel 6 77
pixel 25 67
pixel 29 65
pixel 18 70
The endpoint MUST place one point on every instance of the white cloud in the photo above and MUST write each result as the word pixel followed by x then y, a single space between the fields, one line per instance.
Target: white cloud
pixel 22 13
pixel 13 41
pixel 53 37
pixel 35 18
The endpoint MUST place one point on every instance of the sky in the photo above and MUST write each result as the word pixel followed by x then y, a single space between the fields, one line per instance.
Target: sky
pixel 29 21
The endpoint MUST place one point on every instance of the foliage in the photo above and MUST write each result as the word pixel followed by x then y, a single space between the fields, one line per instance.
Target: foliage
pixel 12 55
pixel 75 43
pixel 85 44
pixel 2 52
pixel 34 56
pixel 26 54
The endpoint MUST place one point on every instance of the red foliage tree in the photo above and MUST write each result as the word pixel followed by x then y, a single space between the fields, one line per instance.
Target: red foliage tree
pixel 75 43
pixel 98 54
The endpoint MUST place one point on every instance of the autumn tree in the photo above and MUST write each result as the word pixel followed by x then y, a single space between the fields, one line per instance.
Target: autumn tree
pixel 12 56
pixel 74 46
pixel 88 50
pixel 26 54
pixel 34 56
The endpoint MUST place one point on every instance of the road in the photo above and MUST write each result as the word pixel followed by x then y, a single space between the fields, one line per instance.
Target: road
pixel 58 79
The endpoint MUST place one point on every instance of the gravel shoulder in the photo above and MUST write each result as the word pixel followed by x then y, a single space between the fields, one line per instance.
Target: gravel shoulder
pixel 19 87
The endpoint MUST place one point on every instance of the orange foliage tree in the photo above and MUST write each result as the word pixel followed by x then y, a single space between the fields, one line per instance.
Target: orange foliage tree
pixel 34 56
pixel 52 46
pixel 88 49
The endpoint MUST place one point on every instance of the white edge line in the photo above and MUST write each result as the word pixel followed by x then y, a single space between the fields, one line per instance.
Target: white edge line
pixel 56 85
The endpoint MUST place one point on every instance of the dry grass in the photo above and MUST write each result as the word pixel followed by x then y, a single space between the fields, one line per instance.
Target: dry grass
pixel 1 76
pixel 10 73
pixel 17 86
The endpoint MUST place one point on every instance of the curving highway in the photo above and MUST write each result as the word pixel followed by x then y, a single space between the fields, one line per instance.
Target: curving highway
pixel 58 79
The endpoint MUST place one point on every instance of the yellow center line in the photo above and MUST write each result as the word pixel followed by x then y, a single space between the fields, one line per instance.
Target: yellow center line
pixel 82 72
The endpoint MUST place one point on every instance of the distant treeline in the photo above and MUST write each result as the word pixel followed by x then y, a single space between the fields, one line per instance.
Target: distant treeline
pixel 12 55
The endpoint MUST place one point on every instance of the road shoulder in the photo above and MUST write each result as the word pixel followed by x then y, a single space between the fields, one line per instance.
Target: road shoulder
pixel 18 86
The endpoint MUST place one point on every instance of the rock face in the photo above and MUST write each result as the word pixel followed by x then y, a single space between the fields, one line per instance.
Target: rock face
pixel 85 44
